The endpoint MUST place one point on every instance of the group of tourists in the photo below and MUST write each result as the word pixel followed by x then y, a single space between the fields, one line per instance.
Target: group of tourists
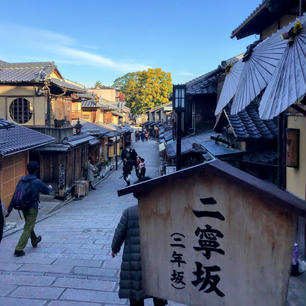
pixel 131 159
pixel 143 135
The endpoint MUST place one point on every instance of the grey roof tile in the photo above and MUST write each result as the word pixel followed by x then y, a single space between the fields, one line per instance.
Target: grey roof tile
pixel 25 72
pixel 68 84
pixel 248 125
pixel 19 138
pixel 89 103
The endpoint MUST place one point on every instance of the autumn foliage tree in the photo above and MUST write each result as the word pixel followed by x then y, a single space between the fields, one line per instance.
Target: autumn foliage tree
pixel 145 89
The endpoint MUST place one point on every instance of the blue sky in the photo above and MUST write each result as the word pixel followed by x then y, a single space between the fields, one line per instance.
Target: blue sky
pixel 102 40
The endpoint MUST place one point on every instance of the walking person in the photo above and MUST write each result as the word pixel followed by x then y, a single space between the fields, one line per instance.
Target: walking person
pixel 142 136
pixel 134 158
pixel 136 136
pixel 26 198
pixel 141 168
pixel 130 284
pixel 147 135
pixel 91 173
pixel 127 170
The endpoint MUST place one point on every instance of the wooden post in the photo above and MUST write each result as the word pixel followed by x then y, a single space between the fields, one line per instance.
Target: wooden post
pixel 178 141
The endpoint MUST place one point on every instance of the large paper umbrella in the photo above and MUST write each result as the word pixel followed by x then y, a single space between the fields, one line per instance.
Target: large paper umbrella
pixel 230 85
pixel 288 83
pixel 260 62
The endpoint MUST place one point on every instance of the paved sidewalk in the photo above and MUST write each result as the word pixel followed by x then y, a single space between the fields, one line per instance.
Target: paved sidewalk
pixel 72 266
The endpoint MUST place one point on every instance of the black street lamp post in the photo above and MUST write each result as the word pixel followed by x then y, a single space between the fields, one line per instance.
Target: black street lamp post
pixel 116 150
pixel 179 98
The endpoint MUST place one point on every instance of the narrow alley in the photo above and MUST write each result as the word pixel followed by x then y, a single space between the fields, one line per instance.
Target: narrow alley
pixel 72 266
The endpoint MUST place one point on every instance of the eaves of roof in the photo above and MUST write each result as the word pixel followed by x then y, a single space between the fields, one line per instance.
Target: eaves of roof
pixel 254 14
pixel 72 86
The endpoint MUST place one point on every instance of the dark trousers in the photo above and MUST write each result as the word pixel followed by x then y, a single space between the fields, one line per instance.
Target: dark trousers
pixel 30 216
pixel 156 301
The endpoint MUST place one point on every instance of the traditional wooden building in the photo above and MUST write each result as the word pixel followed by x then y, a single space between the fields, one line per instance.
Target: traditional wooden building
pixel 289 110
pixel 256 138
pixel 36 95
pixel 62 164
pixel 16 147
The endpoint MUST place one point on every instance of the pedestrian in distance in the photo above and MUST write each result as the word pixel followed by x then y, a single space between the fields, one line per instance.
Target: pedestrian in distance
pixel 91 173
pixel 134 157
pixel 142 136
pixel 127 170
pixel 127 232
pixel 136 136
pixel 124 155
pixel 146 135
pixel 26 199
pixel 141 168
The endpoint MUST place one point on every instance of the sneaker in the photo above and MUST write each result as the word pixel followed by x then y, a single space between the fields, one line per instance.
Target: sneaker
pixel 19 253
pixel 37 242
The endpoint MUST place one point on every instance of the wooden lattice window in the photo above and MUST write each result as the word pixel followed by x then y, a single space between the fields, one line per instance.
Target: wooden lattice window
pixel 21 110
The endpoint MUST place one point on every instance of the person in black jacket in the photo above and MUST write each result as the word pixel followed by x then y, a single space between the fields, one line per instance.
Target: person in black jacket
pixel 30 214
pixel 127 232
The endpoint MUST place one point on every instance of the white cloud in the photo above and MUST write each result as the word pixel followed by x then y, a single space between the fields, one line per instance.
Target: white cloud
pixel 61 47
pixel 96 59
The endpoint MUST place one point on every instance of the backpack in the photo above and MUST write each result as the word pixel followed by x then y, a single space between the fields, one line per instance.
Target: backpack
pixel 23 196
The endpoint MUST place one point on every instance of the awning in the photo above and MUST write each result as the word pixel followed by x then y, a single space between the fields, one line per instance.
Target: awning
pixel 79 139
pixel 54 148
pixel 187 143
pixel 288 83
pixel 220 150
pixel 229 86
pixel 260 61
pixel 94 141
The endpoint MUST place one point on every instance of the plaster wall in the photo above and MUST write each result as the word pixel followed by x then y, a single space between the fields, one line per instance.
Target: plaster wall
pixel 296 177
pixel 284 20
pixel 107 94
pixel 39 104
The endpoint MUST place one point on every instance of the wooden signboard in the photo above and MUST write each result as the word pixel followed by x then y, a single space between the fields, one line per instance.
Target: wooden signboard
pixel 209 238
pixel 292 150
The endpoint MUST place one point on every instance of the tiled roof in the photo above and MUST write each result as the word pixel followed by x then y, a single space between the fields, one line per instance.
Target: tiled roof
pixel 187 142
pixel 204 84
pixel 89 103
pixel 68 85
pixel 34 72
pixel 20 138
pixel 78 139
pixel 86 95
pixel 249 18
pixel 248 125
pixel 25 72
pixel 93 129
pixel 4 124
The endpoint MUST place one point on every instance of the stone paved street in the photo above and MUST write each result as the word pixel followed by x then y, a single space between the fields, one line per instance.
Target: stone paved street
pixel 72 265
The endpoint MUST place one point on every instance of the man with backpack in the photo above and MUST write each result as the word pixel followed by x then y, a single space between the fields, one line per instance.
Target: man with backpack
pixel 26 199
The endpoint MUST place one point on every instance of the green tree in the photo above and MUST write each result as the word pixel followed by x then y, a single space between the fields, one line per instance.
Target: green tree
pixel 145 89
pixel 99 85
